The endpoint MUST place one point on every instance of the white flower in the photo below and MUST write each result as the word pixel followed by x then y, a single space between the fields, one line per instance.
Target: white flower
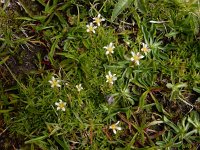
pixel 109 48
pixel 54 82
pixel 136 57
pixel 114 127
pixel 91 27
pixel 60 105
pixel 111 78
pixel 98 19
pixel 145 48
pixel 79 87
pixel 3 1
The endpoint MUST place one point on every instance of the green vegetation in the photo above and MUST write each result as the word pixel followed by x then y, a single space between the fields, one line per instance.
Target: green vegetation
pixel 113 74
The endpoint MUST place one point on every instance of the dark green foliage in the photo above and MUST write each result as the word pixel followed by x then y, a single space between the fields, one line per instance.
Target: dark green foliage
pixel 157 101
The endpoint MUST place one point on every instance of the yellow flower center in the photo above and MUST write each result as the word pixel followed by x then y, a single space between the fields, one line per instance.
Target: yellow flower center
pixel 61 105
pixel 144 49
pixel 113 126
pixel 110 49
pixel 110 79
pixel 90 28
pixel 97 20
pixel 54 83
pixel 136 58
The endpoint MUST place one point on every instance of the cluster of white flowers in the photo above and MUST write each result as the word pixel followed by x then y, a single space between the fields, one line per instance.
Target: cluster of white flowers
pixel 110 78
pixel 56 83
pixel 61 105
pixel 137 56
pixel 96 20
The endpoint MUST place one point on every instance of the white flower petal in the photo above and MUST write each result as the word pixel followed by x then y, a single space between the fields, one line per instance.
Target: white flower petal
pixel 141 56
pixel 114 131
pixel 105 47
pixel 107 52
pixel 117 123
pixel 114 78
pixel 132 59
pixel 118 128
pixel 133 54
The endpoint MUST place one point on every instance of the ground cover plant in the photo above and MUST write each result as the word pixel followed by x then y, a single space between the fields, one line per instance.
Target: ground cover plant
pixel 113 74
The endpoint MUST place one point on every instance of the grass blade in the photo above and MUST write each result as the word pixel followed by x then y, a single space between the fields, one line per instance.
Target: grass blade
pixel 119 7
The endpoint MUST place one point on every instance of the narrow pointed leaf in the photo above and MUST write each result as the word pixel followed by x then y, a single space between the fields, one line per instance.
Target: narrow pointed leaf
pixel 119 7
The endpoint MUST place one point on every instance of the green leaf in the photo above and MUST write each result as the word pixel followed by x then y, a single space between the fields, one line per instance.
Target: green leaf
pixel 171 34
pixel 139 4
pixel 142 99
pixel 5 111
pixel 41 2
pixel 119 7
pixel 40 138
pixel 62 143
pixel 4 60
pixel 61 18
pixel 132 141
pixel 136 16
pixel 145 33
pixel 26 18
pixel 171 124
pixel 52 51
pixel 40 18
pixel 158 106
pixel 196 89
pixel 68 56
